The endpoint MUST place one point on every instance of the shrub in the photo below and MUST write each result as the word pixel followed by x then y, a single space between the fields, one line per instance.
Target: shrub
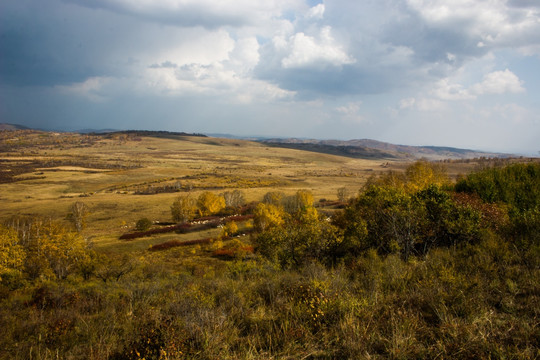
pixel 143 224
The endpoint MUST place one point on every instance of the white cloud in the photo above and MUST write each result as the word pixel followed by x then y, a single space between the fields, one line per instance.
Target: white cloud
pixel 306 51
pixel 350 112
pixel 499 82
pixel 493 23
pixel 496 82
pixel 427 104
pixel 316 12
pixel 205 47
pixel 445 90
pixel 351 108
pixel 245 54
pixel 228 75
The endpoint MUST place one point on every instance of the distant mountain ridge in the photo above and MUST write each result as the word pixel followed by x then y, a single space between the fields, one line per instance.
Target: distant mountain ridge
pixel 357 148
pixel 373 148
pixel 6 126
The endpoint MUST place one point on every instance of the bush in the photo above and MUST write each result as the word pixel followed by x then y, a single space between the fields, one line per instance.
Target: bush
pixel 143 224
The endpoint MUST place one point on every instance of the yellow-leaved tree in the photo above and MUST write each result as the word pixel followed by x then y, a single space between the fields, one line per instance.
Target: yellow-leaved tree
pixel 210 203
pixel 422 174
pixel 12 255
pixel 417 176
pixel 50 249
pixel 267 216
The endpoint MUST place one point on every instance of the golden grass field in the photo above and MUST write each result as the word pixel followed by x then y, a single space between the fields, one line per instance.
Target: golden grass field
pixel 106 172
pixel 245 294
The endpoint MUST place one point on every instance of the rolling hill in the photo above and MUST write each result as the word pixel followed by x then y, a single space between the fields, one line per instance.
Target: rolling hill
pixel 366 148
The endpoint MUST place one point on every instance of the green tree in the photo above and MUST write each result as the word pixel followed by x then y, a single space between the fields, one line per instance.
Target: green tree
pixel 299 202
pixel 295 244
pixel 517 185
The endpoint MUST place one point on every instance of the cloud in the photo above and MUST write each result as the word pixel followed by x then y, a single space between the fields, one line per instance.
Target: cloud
pixel 91 88
pixel 316 12
pixel 349 109
pixel 445 90
pixel 206 13
pixel 228 76
pixel 499 82
pixel 484 25
pixel 164 65
pixel 306 51
pixel 252 62
pixel 350 112
pixel 407 103
pixel 493 83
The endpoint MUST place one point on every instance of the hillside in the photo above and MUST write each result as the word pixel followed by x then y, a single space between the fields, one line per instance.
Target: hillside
pixel 373 148
pixel 5 126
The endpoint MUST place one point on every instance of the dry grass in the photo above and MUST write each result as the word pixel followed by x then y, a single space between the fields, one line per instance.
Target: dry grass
pixel 106 173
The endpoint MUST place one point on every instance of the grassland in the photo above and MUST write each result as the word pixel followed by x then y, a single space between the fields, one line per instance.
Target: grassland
pixel 109 172
pixel 479 300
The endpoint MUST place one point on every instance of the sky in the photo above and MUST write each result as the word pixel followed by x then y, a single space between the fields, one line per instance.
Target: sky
pixel 460 73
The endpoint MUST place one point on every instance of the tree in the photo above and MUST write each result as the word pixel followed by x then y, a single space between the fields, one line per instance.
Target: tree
pixel 234 199
pixel 229 229
pixel 295 244
pixel 517 185
pixel 183 208
pixel 267 216
pixel 342 194
pixel 78 214
pixel 12 255
pixel 274 197
pixel 391 218
pixel 50 249
pixel 115 268
pixel 422 174
pixel 210 203
pixel 299 202
pixel 417 176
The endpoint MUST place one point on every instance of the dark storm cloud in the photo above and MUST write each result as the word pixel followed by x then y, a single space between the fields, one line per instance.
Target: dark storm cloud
pixel 45 44
pixel 209 65
pixel 187 15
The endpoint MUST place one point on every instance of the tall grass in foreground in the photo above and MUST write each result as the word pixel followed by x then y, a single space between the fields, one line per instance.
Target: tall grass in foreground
pixel 479 301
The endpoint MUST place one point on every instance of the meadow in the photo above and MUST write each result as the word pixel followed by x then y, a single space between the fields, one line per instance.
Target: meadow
pixel 320 257
pixel 112 175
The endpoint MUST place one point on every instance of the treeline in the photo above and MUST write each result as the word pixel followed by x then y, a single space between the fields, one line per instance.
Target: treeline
pixel 409 214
